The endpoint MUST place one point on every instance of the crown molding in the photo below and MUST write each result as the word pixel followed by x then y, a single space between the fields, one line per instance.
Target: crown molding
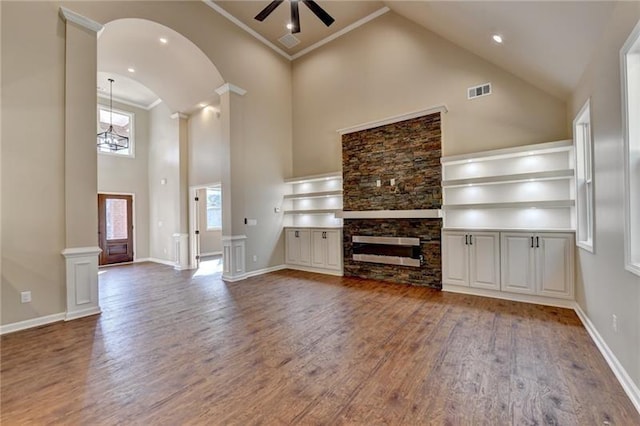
pixel 228 87
pixel 345 30
pixel 393 119
pixel 179 115
pixel 153 104
pixel 245 27
pixel 342 32
pixel 70 16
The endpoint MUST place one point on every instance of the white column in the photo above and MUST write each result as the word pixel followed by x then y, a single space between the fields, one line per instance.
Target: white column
pixel 181 243
pixel 233 257
pixel 81 165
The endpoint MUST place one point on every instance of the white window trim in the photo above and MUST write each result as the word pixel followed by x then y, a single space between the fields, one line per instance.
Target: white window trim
pixel 632 265
pixel 206 208
pixel 588 244
pixel 132 143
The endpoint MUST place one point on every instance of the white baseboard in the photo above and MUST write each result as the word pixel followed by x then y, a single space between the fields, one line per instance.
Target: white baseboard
pixel 253 273
pixel 316 270
pixel 161 261
pixel 630 388
pixel 514 297
pixel 144 259
pixel 30 323
pixel 83 313
pixel 213 253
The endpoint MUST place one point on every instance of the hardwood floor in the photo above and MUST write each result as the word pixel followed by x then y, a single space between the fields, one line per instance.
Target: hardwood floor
pixel 294 347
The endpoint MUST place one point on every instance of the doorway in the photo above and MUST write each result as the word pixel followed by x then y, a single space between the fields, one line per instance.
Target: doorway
pixel 115 228
pixel 206 223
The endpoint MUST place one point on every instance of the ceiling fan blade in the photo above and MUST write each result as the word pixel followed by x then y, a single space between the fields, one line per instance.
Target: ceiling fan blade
pixel 295 17
pixel 267 10
pixel 319 12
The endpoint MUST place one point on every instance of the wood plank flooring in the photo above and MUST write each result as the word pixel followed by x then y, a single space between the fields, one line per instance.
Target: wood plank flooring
pixel 299 348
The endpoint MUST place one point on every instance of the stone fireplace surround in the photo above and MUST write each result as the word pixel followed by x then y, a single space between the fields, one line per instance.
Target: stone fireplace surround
pixel 409 152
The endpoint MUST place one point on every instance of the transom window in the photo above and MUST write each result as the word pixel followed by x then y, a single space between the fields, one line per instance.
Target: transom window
pixel 123 124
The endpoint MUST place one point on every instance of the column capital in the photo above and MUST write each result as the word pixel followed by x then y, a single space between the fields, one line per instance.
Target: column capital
pixel 179 115
pixel 69 15
pixel 228 87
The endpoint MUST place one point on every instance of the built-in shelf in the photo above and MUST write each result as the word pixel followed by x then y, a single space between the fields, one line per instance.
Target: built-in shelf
pixel 547 204
pixel 525 187
pixel 519 177
pixel 318 194
pixel 313 178
pixel 391 214
pixel 313 211
pixel 501 229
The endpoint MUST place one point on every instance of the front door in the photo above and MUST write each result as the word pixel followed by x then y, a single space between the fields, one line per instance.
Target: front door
pixel 115 228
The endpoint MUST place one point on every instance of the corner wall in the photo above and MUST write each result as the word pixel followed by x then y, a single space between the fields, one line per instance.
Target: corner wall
pixel 604 287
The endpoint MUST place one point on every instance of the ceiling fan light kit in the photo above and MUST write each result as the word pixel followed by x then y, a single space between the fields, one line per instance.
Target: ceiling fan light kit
pixel 295 13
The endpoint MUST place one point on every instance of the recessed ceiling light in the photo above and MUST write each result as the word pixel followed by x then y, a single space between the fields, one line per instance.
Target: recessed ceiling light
pixel 497 38
pixel 163 40
pixel 289 26
pixel 132 70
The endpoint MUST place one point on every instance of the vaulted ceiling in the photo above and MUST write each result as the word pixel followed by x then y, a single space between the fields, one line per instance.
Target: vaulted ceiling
pixel 547 43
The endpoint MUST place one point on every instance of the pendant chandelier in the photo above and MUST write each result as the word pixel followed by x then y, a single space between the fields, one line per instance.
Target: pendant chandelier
pixel 110 139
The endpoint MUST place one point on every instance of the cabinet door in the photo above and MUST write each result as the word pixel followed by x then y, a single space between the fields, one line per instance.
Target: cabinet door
pixel 334 249
pixel 484 260
pixel 304 235
pixel 455 258
pixel 292 247
pixel 517 263
pixel 318 249
pixel 554 265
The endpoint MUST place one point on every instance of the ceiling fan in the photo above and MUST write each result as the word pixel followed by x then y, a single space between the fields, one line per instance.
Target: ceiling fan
pixel 295 15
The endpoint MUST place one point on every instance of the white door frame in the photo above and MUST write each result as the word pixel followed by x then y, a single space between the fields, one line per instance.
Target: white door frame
pixel 193 220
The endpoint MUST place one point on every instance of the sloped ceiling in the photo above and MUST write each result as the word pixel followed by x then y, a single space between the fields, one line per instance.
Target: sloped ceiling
pixel 547 43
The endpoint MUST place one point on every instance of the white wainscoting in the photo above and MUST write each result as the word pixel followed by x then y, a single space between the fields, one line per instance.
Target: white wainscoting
pixel 82 281
pixel 233 257
pixel 181 260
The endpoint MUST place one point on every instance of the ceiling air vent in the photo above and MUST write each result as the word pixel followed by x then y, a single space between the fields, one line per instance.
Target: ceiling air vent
pixel 477 91
pixel 289 40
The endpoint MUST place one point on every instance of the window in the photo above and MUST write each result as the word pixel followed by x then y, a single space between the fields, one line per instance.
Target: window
pixel 123 125
pixel 630 64
pixel 584 178
pixel 214 208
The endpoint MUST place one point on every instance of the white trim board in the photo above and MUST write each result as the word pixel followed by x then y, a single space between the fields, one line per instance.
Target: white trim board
pixel 394 119
pixel 315 270
pixel 253 273
pixel 306 50
pixel 31 323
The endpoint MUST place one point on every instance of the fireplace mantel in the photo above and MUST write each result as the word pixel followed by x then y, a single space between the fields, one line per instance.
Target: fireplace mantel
pixel 391 214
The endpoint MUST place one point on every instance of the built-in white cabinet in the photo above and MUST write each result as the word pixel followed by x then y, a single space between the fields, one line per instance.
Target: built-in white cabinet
pixel 298 247
pixel 326 249
pixel 538 263
pixel 471 259
pixel 315 249
pixel 523 187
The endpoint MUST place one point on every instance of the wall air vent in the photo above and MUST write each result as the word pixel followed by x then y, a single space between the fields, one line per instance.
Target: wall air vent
pixel 289 40
pixel 477 91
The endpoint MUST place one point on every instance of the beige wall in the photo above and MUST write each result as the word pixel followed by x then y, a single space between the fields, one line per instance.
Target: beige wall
pixel 124 175
pixel 164 199
pixel 33 224
pixel 392 66
pixel 205 147
pixel 33 72
pixel 604 287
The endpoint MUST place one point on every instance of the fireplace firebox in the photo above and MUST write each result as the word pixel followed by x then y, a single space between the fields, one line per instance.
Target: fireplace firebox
pixel 403 251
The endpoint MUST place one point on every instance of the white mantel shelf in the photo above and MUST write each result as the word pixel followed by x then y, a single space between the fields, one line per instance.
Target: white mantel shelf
pixel 391 214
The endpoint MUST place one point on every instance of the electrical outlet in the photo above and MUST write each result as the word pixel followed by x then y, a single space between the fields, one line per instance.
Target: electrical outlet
pixel 392 182
pixel 25 297
pixel 276 209
pixel 255 257
pixel 614 323
pixel 378 183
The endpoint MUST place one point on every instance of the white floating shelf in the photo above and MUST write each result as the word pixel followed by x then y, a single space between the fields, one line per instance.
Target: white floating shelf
pixel 391 214
pixel 550 204
pixel 313 211
pixel 314 178
pixel 520 177
pixel 494 229
pixel 542 148
pixel 318 194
